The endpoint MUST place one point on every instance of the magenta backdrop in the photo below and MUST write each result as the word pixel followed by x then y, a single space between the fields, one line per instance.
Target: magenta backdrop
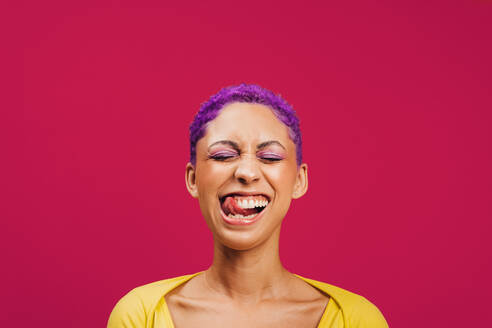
pixel 395 104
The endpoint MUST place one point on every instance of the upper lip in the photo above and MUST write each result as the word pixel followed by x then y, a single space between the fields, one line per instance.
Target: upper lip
pixel 244 193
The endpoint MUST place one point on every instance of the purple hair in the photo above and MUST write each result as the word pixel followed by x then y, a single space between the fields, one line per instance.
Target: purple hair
pixel 246 93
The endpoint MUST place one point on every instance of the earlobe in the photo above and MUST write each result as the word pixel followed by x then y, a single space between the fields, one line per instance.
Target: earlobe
pixel 190 179
pixel 301 185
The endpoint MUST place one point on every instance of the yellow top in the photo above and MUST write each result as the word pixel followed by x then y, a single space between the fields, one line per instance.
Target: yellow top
pixel 145 307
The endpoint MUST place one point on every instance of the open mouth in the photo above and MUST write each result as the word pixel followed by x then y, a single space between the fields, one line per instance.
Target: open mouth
pixel 243 207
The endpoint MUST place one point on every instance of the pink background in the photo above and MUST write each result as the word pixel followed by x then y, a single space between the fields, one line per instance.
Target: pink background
pixel 395 103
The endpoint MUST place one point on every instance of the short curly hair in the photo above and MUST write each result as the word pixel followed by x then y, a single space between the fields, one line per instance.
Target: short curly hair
pixel 245 93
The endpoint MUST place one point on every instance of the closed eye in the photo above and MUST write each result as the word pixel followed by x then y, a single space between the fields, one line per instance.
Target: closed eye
pixel 223 155
pixel 270 157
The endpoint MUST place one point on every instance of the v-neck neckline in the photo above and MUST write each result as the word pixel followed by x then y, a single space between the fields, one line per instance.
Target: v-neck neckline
pixel 170 323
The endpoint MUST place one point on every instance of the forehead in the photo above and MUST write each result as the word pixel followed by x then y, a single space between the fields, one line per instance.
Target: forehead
pixel 246 122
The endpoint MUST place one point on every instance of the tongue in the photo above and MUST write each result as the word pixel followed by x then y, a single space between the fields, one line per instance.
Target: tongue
pixel 229 206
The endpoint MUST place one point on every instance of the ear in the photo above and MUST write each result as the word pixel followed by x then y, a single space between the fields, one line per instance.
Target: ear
pixel 301 185
pixel 191 181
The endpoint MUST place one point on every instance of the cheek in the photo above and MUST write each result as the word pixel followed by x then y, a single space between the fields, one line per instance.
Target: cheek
pixel 210 177
pixel 282 178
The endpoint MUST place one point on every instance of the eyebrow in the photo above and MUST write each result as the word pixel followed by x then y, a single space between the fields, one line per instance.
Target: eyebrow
pixel 236 146
pixel 268 143
pixel 225 142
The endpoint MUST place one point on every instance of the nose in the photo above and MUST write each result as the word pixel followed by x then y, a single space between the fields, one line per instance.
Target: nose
pixel 247 170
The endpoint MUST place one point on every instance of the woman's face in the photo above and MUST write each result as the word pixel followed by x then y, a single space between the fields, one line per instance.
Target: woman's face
pixel 245 175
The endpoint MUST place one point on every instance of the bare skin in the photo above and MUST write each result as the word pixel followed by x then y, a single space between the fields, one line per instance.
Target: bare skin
pixel 246 285
pixel 238 296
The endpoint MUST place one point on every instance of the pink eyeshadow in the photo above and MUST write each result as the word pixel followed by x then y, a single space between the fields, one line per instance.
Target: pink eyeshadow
pixel 269 154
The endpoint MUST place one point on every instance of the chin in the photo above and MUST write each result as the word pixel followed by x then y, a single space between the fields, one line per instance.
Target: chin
pixel 243 238
pixel 238 240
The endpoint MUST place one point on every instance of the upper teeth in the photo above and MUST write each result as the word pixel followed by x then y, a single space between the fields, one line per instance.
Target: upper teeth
pixel 251 203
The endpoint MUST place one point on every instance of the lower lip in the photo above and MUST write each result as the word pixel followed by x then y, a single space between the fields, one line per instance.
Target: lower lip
pixel 234 221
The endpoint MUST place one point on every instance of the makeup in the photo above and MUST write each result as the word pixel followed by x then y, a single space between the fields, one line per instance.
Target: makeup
pixel 222 154
pixel 269 155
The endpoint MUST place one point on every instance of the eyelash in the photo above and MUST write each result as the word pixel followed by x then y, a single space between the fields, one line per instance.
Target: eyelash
pixel 223 156
pixel 271 157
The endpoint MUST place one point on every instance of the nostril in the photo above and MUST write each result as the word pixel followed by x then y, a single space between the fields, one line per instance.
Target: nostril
pixel 247 178
pixel 247 171
pixel 242 180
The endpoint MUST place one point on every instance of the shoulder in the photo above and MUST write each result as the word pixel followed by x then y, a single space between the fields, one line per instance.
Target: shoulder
pixel 133 309
pixel 358 312
pixel 365 314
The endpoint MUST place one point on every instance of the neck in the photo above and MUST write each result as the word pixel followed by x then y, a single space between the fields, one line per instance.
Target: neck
pixel 248 275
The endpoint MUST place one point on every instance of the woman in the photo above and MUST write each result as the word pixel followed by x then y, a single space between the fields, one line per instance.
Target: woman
pixel 245 168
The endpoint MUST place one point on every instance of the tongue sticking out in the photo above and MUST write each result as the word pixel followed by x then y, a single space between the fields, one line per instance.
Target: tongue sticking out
pixel 229 206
